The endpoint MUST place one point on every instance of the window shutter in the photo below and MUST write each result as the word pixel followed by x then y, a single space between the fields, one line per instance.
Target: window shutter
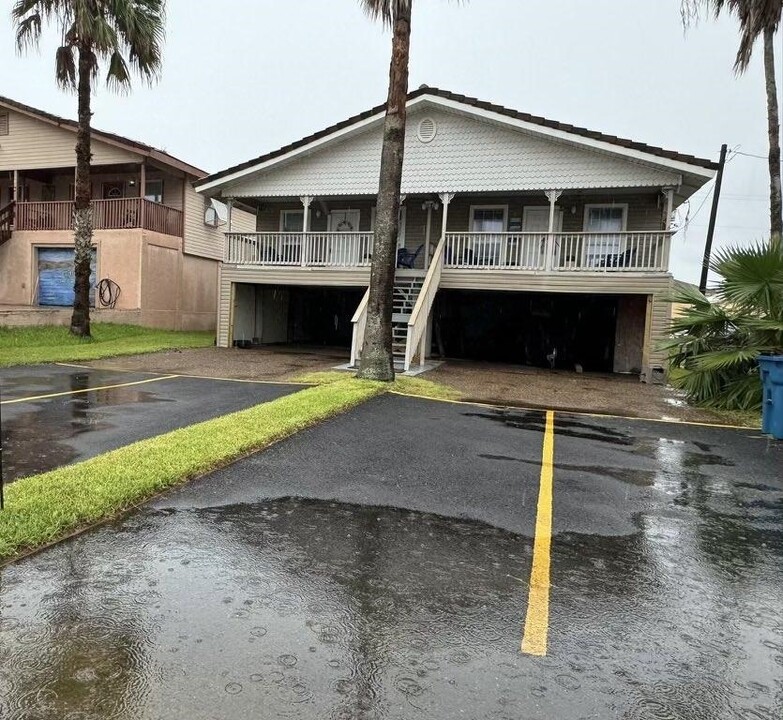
pixel 3 123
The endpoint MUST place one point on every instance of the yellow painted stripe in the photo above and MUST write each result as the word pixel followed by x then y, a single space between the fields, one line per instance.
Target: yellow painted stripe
pixel 85 390
pixel 537 618
pixel 577 413
pixel 250 381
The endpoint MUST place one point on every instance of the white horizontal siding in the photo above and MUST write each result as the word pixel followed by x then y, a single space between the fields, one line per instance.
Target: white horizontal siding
pixel 200 239
pixel 33 143
pixel 467 155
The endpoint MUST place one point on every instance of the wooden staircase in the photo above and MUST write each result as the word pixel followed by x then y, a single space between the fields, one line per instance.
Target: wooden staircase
pixel 406 293
pixel 6 222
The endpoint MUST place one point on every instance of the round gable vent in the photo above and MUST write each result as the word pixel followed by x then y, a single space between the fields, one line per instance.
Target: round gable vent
pixel 427 130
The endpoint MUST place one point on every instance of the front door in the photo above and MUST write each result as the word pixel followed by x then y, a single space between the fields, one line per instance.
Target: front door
pixel 536 220
pixel 113 190
pixel 348 250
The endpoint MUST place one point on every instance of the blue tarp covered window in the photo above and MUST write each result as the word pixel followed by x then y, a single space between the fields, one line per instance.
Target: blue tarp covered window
pixel 56 277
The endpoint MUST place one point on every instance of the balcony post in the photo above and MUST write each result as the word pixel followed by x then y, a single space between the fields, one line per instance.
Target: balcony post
pixel 142 192
pixel 553 196
pixel 306 201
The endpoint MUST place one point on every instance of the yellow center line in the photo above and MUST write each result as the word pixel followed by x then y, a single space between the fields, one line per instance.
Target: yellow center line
pixel 537 619
pixel 85 390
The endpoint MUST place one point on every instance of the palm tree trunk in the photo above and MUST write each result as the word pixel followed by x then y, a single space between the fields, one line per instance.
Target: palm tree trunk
pixel 773 122
pixel 377 362
pixel 82 216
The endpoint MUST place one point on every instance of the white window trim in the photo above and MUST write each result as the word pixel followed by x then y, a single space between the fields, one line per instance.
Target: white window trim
pixel 593 206
pixel 473 209
pixel 283 214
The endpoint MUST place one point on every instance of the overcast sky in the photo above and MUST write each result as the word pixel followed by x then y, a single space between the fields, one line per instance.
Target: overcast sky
pixel 242 77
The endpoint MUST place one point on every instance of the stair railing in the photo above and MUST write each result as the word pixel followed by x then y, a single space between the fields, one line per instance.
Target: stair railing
pixel 359 321
pixel 7 215
pixel 417 325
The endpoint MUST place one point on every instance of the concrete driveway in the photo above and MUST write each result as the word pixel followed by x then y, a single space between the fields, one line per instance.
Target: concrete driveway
pixel 53 415
pixel 389 564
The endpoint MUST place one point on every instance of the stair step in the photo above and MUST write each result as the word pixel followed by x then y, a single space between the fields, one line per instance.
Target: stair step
pixel 401 317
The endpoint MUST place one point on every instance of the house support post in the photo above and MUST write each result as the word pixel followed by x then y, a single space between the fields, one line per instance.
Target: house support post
pixel 306 201
pixel 553 196
pixel 142 192
pixel 668 193
pixel 16 186
pixel 229 215
pixel 446 199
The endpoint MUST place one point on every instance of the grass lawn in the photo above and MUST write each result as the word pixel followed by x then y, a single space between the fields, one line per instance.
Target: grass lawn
pixel 46 344
pixel 44 508
pixel 402 385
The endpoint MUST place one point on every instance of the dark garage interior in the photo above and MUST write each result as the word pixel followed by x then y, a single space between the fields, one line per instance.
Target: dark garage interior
pixel 301 315
pixel 557 330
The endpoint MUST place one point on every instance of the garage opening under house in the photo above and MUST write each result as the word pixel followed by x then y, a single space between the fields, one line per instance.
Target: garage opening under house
pixel 521 239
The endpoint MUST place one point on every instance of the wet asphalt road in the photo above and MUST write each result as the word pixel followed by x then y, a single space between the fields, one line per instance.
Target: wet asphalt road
pixel 394 585
pixel 45 433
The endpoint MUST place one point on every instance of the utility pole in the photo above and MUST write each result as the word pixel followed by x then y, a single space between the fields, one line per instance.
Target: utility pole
pixel 705 265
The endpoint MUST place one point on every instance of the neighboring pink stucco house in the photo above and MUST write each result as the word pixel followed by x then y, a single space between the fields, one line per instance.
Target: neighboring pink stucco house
pixel 157 242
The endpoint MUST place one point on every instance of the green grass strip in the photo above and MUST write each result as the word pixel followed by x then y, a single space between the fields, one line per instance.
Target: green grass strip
pixel 43 508
pixel 49 343
pixel 403 384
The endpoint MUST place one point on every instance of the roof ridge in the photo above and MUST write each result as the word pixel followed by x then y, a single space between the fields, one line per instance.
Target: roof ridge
pixel 473 102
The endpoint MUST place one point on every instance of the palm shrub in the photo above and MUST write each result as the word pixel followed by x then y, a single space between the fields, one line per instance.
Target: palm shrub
pixel 714 346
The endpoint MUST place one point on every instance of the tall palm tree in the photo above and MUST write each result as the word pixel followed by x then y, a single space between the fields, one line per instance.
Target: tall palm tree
pixel 757 19
pixel 377 362
pixel 124 35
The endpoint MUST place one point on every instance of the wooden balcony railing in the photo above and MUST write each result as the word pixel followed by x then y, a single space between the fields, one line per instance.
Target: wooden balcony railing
pixel 117 214
pixel 312 249
pixel 559 252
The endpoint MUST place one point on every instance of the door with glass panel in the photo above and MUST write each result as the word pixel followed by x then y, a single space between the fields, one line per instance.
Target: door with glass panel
pixel 532 252
pixel 604 242
pixel 488 223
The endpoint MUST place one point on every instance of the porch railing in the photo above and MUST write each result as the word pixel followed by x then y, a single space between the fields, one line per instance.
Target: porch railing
pixel 116 214
pixel 559 252
pixel 312 249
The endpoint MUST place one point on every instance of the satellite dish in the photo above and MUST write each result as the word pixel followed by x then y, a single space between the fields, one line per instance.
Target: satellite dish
pixel 211 217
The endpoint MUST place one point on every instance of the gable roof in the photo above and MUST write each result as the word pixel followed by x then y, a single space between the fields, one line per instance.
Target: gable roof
pixel 477 105
pixel 111 138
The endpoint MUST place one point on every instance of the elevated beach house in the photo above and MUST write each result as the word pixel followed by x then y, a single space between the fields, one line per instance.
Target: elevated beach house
pixel 157 242
pixel 521 239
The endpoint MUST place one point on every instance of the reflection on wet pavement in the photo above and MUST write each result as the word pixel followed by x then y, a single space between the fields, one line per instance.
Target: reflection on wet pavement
pixel 37 440
pixel 311 609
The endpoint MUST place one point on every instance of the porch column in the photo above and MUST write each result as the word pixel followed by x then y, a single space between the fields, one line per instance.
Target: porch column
pixel 446 199
pixel 667 241
pixel 142 191
pixel 668 194
pixel 16 186
pixel 229 214
pixel 306 201
pixel 553 196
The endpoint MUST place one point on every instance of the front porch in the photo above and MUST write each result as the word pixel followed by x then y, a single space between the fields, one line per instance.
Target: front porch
pixel 611 231
pixel 124 196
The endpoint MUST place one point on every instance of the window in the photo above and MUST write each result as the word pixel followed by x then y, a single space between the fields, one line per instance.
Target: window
pixel 154 191
pixel 491 218
pixel 4 123
pixel 487 249
pixel 292 221
pixel 601 250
